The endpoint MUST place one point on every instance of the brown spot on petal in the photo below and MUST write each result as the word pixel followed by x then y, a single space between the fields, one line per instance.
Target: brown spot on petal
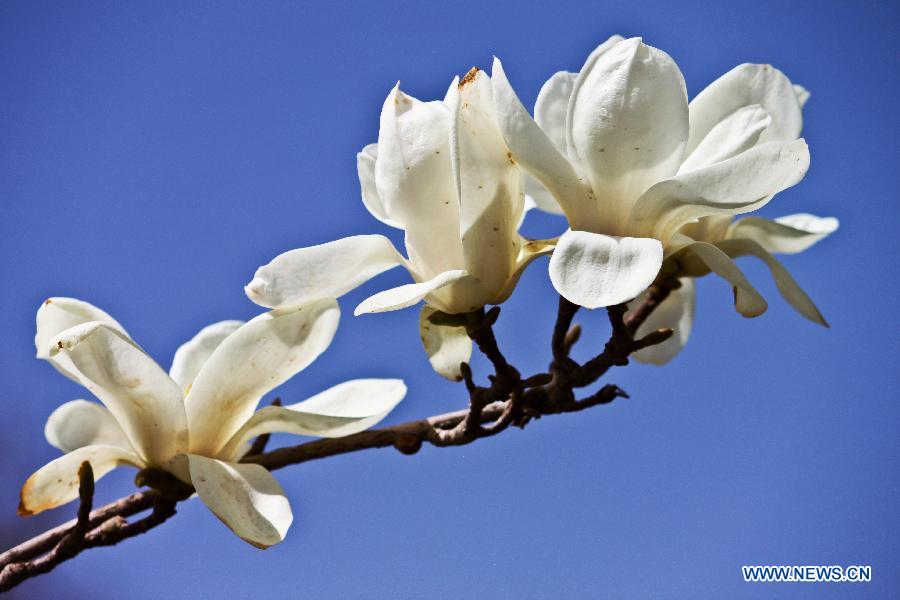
pixel 469 77
pixel 23 510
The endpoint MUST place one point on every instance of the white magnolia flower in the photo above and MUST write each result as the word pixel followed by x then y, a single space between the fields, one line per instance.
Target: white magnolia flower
pixel 630 162
pixel 748 236
pixel 442 173
pixel 196 421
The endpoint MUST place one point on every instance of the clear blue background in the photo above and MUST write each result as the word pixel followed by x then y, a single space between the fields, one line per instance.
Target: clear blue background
pixel 153 155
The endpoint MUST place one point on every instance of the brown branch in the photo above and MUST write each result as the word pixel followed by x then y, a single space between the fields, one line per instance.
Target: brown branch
pixel 508 400
pixel 564 336
pixel 124 507
pixel 70 544
pixel 654 296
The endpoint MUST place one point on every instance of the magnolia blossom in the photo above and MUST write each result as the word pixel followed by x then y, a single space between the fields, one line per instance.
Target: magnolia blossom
pixel 628 160
pixel 442 173
pixel 196 421
pixel 749 236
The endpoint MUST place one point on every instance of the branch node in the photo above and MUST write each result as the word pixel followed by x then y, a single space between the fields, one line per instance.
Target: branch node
pixel 572 337
pixel 466 371
pixel 408 443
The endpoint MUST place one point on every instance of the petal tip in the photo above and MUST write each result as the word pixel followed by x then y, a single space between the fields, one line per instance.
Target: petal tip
pixel 256 289
pixel 22 510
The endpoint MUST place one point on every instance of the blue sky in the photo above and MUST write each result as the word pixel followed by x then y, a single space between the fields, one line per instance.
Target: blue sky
pixel 152 157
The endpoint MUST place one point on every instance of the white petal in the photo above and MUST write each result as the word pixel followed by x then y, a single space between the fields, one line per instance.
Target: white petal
pixel 552 105
pixel 56 483
pixel 145 402
pixel 58 314
pixel 365 169
pixel 802 94
pixel 489 186
pixel 785 235
pixel 540 196
pixel 594 270
pixel 344 409
pixel 407 295
pixel 675 312
pixel 745 85
pixel 789 289
pixel 247 498
pixel 734 186
pixel 192 355
pixel 535 151
pixel 699 258
pixel 445 345
pixel 415 181
pixel 325 271
pixel 734 134
pixel 81 423
pixel 592 59
pixel 712 229
pixel 258 357
pixel 628 125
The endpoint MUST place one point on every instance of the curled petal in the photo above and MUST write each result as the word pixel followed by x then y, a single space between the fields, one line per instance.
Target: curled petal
pixel 535 151
pixel 247 498
pixel 58 314
pixel 258 357
pixel 447 346
pixel 145 402
pixel 192 355
pixel 56 483
pixel 734 186
pixel 365 169
pixel 742 86
pixel 325 271
pixel 409 294
pixel 81 423
pixel 344 409
pixel 628 125
pixel 785 235
pixel 699 258
pixel 675 312
pixel 594 270
pixel 736 133
pixel 790 290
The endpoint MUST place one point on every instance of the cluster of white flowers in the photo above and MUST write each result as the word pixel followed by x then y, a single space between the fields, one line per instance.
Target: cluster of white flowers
pixel 648 182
